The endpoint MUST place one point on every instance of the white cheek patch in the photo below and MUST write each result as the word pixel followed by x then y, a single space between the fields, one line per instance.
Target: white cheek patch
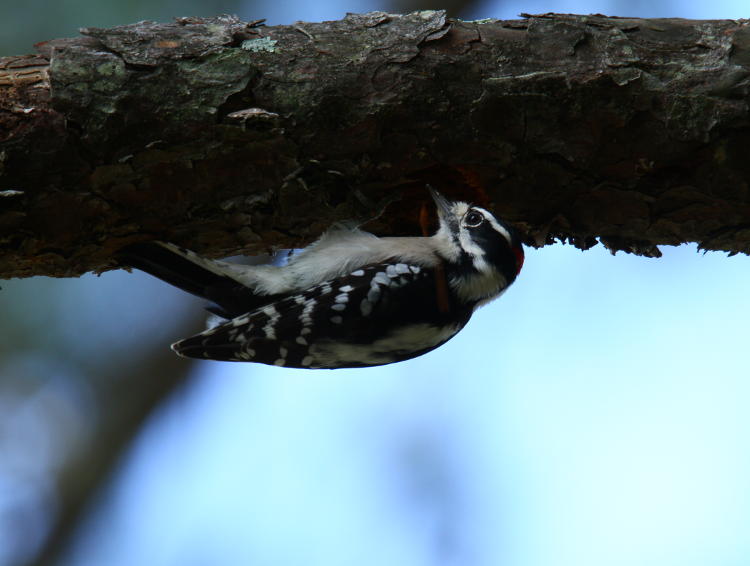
pixel 473 249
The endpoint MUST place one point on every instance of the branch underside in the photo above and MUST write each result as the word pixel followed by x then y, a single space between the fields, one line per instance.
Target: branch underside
pixel 223 136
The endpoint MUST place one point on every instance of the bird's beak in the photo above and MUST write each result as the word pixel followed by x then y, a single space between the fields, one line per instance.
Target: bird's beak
pixel 443 206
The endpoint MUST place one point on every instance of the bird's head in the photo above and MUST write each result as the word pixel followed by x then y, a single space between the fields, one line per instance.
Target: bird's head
pixel 475 244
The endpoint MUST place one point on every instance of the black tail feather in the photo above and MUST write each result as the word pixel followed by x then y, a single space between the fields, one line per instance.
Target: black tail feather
pixel 229 297
pixel 171 267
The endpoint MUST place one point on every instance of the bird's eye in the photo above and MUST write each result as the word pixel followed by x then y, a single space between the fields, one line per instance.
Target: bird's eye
pixel 473 219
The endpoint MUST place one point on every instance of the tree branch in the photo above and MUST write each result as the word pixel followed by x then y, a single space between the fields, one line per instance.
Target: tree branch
pixel 222 135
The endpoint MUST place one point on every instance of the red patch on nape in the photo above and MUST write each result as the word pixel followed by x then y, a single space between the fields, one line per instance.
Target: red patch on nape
pixel 519 258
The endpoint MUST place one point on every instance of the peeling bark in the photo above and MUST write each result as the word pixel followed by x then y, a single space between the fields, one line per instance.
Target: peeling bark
pixel 225 136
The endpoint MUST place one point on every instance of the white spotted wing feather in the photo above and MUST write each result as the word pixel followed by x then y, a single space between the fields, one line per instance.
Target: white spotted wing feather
pixel 337 323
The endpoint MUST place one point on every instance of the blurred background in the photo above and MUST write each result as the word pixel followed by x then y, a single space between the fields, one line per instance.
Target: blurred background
pixel 596 414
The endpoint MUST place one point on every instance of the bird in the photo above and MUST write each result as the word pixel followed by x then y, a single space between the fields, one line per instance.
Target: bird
pixel 350 299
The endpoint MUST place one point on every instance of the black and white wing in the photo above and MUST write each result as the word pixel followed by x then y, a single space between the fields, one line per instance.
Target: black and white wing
pixel 377 314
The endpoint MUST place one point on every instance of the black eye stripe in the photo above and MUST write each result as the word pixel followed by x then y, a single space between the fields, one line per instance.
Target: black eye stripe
pixel 497 250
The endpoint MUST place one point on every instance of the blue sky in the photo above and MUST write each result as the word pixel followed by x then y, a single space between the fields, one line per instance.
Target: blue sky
pixel 595 414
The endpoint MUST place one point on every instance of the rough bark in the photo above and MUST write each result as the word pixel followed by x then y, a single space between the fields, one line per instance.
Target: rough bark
pixel 226 136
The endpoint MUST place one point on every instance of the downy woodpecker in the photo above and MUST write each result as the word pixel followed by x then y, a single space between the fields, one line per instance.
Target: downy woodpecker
pixel 350 299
